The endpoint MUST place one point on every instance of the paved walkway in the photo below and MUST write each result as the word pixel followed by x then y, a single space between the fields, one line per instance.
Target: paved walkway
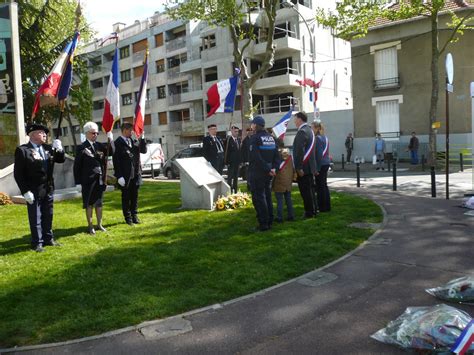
pixel 423 243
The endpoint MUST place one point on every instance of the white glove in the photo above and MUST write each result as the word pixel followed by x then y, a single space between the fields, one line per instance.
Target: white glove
pixel 143 135
pixel 57 144
pixel 29 197
pixel 79 188
pixel 121 181
pixel 110 135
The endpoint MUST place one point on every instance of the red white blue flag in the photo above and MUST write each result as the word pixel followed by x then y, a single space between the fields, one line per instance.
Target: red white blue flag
pixel 139 123
pixel 112 97
pixel 465 339
pixel 280 127
pixel 221 95
pixel 58 82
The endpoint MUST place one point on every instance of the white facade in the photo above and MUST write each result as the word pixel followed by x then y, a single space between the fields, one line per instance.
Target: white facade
pixel 187 58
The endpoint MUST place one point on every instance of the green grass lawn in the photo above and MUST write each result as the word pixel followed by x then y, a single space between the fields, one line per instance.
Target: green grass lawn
pixel 173 262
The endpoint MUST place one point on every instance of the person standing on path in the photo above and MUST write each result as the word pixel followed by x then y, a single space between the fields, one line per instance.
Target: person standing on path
pixel 33 173
pixel 413 147
pixel 305 162
pixel 349 147
pixel 128 171
pixel 263 164
pixel 213 149
pixel 379 150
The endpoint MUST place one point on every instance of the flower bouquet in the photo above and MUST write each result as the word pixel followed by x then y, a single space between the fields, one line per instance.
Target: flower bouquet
pixel 458 290
pixel 433 328
pixel 5 199
pixel 232 201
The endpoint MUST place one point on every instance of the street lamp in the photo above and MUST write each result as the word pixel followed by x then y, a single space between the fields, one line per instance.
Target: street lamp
pixel 290 5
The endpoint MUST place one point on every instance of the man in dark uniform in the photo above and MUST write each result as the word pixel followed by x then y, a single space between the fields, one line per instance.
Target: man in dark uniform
pixel 233 158
pixel 263 163
pixel 213 149
pixel 33 172
pixel 128 171
pixel 90 169
pixel 245 155
pixel 305 162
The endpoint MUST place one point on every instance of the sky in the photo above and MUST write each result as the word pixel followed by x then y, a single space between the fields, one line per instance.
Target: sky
pixel 102 14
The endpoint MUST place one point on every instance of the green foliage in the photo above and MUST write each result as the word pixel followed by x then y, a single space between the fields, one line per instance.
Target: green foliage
pixel 174 261
pixel 45 28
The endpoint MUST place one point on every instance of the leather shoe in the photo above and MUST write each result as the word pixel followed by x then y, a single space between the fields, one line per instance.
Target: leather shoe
pixel 101 228
pixel 52 243
pixel 129 222
pixel 91 230
pixel 136 220
pixel 38 249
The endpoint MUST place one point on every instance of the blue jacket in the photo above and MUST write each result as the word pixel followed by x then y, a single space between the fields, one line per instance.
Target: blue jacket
pixel 322 154
pixel 263 155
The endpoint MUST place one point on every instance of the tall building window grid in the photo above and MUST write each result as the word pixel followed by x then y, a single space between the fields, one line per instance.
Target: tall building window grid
pixel 124 52
pixel 125 75
pixel 127 99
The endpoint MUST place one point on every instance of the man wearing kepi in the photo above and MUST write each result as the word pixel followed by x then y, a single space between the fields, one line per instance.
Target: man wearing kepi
pixel 213 149
pixel 90 171
pixel 305 162
pixel 263 163
pixel 128 171
pixel 33 172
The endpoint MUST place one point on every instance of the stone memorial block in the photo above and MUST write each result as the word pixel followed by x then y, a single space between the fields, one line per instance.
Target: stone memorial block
pixel 201 184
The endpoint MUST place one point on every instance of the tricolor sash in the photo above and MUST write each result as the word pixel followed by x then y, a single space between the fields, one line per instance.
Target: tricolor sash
pixel 465 340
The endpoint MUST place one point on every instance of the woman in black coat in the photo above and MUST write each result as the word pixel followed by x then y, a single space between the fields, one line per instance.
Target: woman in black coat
pixel 90 167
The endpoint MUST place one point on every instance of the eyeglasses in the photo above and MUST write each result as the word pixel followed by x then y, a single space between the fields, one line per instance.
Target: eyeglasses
pixel 94 133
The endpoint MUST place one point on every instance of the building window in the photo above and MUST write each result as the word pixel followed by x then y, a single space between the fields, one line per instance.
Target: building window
pixel 125 76
pixel 210 74
pixel 147 120
pixel 160 66
pixel 209 41
pixel 138 71
pixel 162 119
pixel 126 99
pixel 161 92
pixel 388 116
pixel 140 46
pixel 98 105
pixel 147 95
pixel 159 40
pixel 124 52
pixel 386 65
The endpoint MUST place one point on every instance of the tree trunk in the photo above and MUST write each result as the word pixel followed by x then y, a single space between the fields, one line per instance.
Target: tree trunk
pixel 247 104
pixel 434 87
pixel 69 121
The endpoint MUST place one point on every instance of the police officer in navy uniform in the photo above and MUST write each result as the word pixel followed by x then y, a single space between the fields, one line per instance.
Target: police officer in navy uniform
pixel 128 171
pixel 213 149
pixel 233 158
pixel 263 164
pixel 33 172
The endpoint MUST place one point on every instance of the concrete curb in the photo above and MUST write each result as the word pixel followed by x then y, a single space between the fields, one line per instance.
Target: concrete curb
pixel 213 307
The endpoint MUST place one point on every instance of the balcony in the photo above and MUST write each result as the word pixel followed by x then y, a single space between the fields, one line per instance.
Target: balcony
pixel 192 64
pixel 192 127
pixel 138 57
pixel 174 73
pixel 279 78
pixel 284 46
pixel 387 84
pixel 174 99
pixel 194 93
pixel 99 91
pixel 176 44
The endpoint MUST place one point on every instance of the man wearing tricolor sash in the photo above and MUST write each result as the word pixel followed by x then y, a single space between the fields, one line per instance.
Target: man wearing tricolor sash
pixel 305 162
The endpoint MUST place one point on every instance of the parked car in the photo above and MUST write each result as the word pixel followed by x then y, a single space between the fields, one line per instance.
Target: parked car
pixel 153 160
pixel 171 170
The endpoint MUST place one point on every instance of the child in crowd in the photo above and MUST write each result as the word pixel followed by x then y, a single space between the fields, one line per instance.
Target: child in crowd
pixel 282 184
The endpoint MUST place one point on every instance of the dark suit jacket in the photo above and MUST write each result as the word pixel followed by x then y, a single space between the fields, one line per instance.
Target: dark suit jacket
pixel 89 163
pixel 301 144
pixel 244 149
pixel 127 160
pixel 210 148
pixel 31 172
pixel 232 154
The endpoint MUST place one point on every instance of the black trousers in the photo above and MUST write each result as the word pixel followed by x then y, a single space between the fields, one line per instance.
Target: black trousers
pixel 305 185
pixel 349 153
pixel 130 199
pixel 262 200
pixel 40 217
pixel 324 198
pixel 218 162
pixel 233 176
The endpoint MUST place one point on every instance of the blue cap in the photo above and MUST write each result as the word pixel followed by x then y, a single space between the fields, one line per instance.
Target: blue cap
pixel 258 120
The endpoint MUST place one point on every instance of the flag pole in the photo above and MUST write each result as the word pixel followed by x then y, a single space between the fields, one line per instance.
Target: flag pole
pixel 109 142
pixel 232 117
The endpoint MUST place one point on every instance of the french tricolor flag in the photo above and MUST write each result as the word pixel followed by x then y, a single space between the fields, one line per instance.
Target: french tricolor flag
pixel 221 95
pixel 279 129
pixel 112 97
pixel 465 340
pixel 58 82
pixel 139 123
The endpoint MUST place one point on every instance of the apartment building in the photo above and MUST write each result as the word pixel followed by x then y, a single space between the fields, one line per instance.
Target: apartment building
pixel 186 58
